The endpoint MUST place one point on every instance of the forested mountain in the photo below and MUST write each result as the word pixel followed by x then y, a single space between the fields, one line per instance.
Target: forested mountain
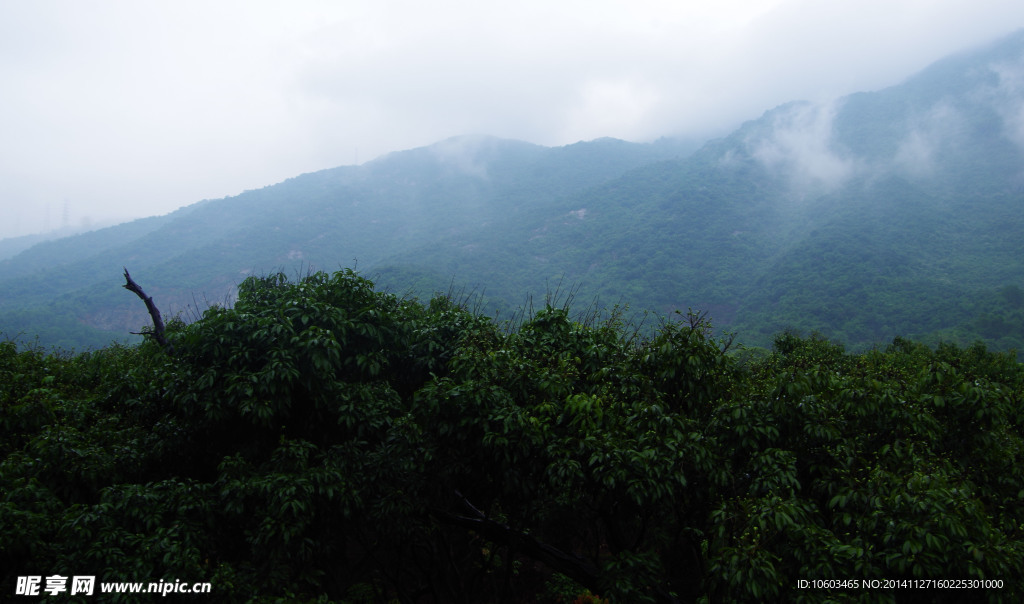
pixel 68 291
pixel 894 212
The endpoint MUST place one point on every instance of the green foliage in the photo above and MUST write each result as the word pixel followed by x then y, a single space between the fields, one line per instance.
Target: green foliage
pixel 323 441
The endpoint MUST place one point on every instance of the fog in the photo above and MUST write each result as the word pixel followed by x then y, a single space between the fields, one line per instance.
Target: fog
pixel 800 146
pixel 123 109
pixel 982 104
pixel 1008 98
pixel 940 126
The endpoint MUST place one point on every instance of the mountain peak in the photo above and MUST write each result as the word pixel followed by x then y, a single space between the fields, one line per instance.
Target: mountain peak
pixel 820 215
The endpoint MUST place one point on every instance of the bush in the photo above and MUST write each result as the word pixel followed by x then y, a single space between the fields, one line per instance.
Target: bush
pixel 322 441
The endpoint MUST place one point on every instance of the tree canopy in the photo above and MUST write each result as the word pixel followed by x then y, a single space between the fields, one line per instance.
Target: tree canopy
pixel 323 441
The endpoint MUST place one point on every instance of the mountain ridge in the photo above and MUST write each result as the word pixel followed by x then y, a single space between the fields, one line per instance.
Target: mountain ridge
pixel 864 218
pixel 210 246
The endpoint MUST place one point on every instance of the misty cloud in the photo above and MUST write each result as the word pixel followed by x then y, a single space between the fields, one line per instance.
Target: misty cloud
pixel 133 109
pixel 916 154
pixel 1007 98
pixel 800 146
pixel 928 134
pixel 618 107
pixel 465 154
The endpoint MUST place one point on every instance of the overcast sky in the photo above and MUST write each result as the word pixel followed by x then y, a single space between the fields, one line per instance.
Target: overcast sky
pixel 123 109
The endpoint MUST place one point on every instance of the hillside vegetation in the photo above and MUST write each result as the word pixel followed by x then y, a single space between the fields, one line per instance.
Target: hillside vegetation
pixel 67 292
pixel 322 441
pixel 882 214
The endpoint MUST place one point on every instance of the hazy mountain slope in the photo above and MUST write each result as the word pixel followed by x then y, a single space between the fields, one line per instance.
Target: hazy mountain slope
pixel 885 213
pixel 918 212
pixel 327 219
pixel 12 246
pixel 643 239
pixel 896 212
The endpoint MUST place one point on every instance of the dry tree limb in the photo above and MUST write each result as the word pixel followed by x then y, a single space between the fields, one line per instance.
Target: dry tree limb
pixel 154 313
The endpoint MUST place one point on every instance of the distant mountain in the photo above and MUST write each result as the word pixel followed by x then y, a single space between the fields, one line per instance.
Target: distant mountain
pixel 67 292
pixel 895 212
pixel 12 246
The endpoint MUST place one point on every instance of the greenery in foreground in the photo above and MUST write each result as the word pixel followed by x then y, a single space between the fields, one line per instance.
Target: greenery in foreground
pixel 322 441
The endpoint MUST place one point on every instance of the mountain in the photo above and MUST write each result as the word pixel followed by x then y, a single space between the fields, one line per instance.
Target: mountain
pixel 68 291
pixel 893 212
pixel 896 212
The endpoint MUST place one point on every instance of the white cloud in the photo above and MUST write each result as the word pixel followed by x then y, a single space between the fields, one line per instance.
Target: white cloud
pixel 928 134
pixel 618 107
pixel 1007 97
pixel 800 145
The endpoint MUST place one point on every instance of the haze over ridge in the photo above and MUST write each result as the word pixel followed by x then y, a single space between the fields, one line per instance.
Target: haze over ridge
pixel 128 109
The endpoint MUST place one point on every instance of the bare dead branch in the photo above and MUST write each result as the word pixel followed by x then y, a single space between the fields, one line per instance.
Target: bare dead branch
pixel 154 313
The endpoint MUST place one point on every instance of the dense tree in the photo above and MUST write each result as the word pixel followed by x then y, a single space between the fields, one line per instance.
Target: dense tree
pixel 323 441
